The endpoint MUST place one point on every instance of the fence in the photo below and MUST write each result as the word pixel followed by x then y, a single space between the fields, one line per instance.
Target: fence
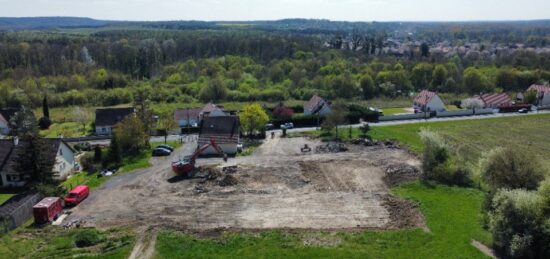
pixel 455 113
pixel 404 117
pixel 17 211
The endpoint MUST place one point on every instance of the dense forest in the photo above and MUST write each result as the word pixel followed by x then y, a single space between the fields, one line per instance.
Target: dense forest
pixel 100 63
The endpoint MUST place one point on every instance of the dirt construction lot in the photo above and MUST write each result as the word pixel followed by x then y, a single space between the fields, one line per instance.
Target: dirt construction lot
pixel 277 187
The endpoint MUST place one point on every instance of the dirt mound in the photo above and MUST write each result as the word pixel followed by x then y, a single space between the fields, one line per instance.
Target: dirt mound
pixel 228 180
pixel 403 213
pixel 398 173
pixel 331 148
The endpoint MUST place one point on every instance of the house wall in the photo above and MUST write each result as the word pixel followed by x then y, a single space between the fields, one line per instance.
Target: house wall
pixel 64 162
pixel 324 111
pixel 103 130
pixel 4 129
pixel 183 123
pixel 435 104
pixel 217 113
pixel 18 182
pixel 545 100
pixel 229 149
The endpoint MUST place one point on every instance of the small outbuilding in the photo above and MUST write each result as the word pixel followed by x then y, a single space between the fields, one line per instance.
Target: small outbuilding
pixel 543 94
pixel 317 106
pixel 107 119
pixel 495 100
pixel 427 101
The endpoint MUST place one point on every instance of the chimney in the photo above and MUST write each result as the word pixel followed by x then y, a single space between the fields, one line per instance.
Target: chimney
pixel 15 141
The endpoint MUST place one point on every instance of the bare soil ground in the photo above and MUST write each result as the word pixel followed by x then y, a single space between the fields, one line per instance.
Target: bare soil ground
pixel 278 187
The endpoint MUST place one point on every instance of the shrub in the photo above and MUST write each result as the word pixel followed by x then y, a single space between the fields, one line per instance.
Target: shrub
pixel 507 168
pixel 437 163
pixel 44 123
pixel 88 162
pixel 517 224
pixel 86 238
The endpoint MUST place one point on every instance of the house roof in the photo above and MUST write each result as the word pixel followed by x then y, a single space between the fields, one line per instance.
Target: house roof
pixel 7 113
pixel 496 99
pixel 424 97
pixel 224 129
pixel 540 89
pixel 111 116
pixel 183 114
pixel 9 152
pixel 210 107
pixel 313 103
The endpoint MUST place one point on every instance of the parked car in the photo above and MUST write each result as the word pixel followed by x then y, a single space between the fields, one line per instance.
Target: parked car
pixel 166 147
pixel 288 125
pixel 47 210
pixel 77 195
pixel 161 152
pixel 524 110
pixel 269 126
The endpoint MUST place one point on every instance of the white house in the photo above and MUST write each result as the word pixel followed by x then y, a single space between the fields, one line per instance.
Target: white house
pixel 61 154
pixel 317 106
pixel 543 94
pixel 4 129
pixel 224 130
pixel 427 101
pixel 106 119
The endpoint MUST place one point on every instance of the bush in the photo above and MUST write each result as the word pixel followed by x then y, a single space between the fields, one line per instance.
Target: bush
pixel 437 164
pixel 44 123
pixel 507 168
pixel 86 238
pixel 88 162
pixel 518 225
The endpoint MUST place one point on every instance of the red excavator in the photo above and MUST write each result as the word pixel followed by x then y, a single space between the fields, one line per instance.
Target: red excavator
pixel 186 166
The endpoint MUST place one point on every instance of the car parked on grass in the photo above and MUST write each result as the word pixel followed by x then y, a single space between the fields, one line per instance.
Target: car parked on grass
pixel 161 152
pixel 166 147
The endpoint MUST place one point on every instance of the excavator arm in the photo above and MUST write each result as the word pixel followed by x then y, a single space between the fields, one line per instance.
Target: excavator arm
pixel 205 146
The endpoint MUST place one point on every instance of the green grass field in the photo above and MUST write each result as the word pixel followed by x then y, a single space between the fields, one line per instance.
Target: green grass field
pixel 5 197
pixel 471 138
pixel 67 129
pixel 451 214
pixel 28 241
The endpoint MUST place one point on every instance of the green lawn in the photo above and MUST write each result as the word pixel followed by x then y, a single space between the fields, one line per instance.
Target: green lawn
pixel 67 129
pixel 55 242
pixel 451 213
pixel 5 197
pixel 129 164
pixel 393 111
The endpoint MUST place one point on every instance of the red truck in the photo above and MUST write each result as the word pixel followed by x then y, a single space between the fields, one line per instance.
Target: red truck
pixel 77 195
pixel 47 210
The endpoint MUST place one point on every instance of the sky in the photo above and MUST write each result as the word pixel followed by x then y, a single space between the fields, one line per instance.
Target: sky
pixel 244 10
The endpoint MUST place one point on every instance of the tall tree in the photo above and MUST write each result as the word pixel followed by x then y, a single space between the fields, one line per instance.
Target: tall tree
pixel 81 116
pixel 336 117
pixel 167 123
pixel 368 87
pixel 36 159
pixel 23 123
pixel 45 108
pixel 253 118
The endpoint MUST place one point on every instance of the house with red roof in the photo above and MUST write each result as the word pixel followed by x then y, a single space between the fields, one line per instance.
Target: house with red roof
pixel 317 106
pixel 427 101
pixel 495 100
pixel 543 94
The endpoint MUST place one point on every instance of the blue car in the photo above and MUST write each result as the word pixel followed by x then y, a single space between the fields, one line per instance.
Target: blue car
pixel 166 147
pixel 161 152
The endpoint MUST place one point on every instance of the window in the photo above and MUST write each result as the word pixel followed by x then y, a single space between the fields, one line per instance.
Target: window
pixel 13 178
pixel 103 130
pixel 60 151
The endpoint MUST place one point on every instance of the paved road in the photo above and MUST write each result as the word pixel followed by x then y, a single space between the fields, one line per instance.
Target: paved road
pixel 401 122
